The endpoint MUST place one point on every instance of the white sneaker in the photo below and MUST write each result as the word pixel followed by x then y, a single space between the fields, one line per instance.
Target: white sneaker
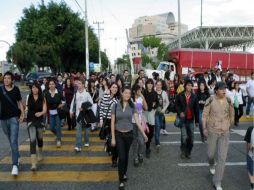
pixel 77 149
pixel 58 144
pixel 212 170
pixel 218 187
pixel 162 132
pixel 86 145
pixel 247 116
pixel 15 171
pixel 165 132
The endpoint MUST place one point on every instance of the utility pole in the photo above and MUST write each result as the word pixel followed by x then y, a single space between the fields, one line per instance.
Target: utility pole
pixel 129 51
pixel 99 36
pixel 179 25
pixel 87 49
pixel 201 25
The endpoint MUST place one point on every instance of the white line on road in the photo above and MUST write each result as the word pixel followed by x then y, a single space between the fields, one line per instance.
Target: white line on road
pixel 199 142
pixel 206 164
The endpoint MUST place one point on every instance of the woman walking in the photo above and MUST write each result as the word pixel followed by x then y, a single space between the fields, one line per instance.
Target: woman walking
pixel 152 101
pixel 107 102
pixel 54 103
pixel 36 109
pixel 159 114
pixel 122 131
pixel 68 94
pixel 202 95
pixel 140 105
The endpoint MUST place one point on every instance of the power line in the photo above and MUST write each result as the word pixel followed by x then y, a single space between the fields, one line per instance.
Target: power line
pixel 80 7
pixel 99 36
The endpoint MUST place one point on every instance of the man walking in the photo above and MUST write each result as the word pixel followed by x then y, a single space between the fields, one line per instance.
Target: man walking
pixel 250 91
pixel 218 116
pixel 11 115
pixel 187 109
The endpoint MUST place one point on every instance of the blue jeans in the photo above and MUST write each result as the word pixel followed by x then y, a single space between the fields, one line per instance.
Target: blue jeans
pixel 201 124
pixel 187 137
pixel 55 126
pixel 79 135
pixel 158 124
pixel 11 130
pixel 250 101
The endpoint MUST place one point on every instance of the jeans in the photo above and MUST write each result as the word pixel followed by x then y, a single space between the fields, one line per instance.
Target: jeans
pixel 11 130
pixel 218 145
pixel 79 135
pixel 187 137
pixel 138 142
pixel 238 113
pixel 201 124
pixel 123 144
pixel 158 125
pixel 55 126
pixel 149 136
pixel 250 101
pixel 35 133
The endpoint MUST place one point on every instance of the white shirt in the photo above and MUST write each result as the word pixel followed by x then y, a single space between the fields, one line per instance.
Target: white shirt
pixel 218 78
pixel 233 93
pixel 81 97
pixel 250 88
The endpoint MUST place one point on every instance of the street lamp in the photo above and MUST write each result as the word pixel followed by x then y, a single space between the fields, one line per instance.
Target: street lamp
pixel 9 47
pixel 179 25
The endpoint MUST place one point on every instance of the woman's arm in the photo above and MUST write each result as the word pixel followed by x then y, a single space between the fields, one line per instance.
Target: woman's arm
pixel 113 127
pixel 139 126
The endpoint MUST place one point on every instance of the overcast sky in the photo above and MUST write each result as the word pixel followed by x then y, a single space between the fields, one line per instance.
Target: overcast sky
pixel 120 14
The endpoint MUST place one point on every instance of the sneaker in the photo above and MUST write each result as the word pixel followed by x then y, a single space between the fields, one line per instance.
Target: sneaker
pixel 212 170
pixel 86 145
pixel 121 186
pixel 247 116
pixel 218 187
pixel 140 158
pixel 162 132
pixel 165 132
pixel 158 148
pixel 77 149
pixel 58 144
pixel 136 162
pixel 125 178
pixel 15 171
pixel 148 153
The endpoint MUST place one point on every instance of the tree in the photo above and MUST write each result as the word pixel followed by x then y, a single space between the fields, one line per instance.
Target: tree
pixel 57 36
pixel 123 63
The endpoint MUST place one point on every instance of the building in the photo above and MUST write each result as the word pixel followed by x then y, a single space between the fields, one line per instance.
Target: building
pixel 162 26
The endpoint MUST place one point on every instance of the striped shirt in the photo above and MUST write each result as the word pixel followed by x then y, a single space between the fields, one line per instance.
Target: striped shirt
pixel 106 105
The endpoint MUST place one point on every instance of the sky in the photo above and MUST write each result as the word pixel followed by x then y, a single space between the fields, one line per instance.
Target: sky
pixel 119 15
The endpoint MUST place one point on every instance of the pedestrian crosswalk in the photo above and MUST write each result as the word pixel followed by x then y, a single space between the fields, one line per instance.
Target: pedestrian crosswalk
pixel 93 159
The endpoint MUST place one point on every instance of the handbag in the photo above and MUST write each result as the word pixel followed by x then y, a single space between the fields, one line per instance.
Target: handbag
pixel 105 126
pixel 178 122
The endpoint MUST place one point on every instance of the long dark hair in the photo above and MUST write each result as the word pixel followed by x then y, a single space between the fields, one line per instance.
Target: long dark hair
pixel 135 88
pixel 103 88
pixel 206 90
pixel 149 81
pixel 90 85
pixel 40 95
pixel 71 86
pixel 129 102
pixel 117 95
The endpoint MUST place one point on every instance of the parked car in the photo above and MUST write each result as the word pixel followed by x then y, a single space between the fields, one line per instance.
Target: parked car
pixel 38 76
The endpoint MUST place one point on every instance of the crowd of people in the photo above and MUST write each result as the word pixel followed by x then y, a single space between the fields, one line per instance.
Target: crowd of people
pixel 131 112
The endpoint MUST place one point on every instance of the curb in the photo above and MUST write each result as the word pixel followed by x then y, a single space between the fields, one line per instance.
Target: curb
pixel 171 118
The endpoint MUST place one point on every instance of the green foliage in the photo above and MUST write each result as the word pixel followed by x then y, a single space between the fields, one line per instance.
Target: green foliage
pixel 162 52
pixel 57 36
pixel 151 42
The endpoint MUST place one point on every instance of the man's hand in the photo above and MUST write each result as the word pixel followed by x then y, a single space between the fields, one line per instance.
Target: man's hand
pixel 71 115
pixel 21 118
pixel 38 114
pixel 205 131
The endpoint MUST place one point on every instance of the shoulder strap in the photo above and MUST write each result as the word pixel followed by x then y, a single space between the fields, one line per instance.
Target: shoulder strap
pixel 8 98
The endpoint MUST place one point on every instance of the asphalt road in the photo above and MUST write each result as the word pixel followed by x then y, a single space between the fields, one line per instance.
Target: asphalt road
pixel 164 170
pixel 91 169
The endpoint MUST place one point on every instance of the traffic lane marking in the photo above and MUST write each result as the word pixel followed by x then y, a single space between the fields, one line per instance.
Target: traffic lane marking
pixel 69 139
pixel 206 164
pixel 61 176
pixel 94 148
pixel 199 142
pixel 63 160
pixel 64 132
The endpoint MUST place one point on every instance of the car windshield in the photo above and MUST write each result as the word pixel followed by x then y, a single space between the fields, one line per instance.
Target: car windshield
pixel 163 67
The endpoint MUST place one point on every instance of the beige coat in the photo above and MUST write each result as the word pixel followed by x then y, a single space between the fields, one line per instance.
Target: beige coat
pixel 219 114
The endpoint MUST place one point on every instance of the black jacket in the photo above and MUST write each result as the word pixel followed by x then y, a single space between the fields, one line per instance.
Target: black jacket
pixel 181 105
